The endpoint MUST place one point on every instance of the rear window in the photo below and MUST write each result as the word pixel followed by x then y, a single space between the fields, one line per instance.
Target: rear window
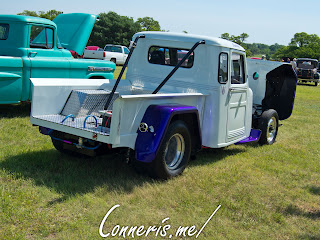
pixel 4 31
pixel 169 56
pixel 113 49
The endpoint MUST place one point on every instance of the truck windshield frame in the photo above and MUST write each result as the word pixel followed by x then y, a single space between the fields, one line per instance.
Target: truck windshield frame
pixel 4 31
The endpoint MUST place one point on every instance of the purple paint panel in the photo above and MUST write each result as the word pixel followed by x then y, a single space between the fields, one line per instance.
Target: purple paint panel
pixel 254 136
pixel 158 117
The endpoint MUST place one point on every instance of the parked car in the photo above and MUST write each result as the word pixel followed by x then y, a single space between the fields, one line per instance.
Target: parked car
pixel 307 70
pixel 93 52
pixel 116 53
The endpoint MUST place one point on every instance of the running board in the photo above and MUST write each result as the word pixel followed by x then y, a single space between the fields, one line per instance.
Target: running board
pixel 254 137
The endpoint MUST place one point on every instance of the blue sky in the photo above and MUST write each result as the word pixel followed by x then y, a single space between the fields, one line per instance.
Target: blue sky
pixel 269 22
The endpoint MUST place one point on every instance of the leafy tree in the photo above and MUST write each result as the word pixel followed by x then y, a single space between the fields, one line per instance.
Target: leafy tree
pixel 243 37
pixel 148 24
pixel 303 39
pixel 302 45
pixel 114 29
pixel 51 14
pixel 29 13
pixel 225 36
pixel 237 39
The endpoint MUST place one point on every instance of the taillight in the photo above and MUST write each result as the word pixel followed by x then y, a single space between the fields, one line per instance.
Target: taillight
pixel 104 54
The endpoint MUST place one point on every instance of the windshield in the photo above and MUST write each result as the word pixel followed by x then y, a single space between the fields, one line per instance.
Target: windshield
pixel 307 64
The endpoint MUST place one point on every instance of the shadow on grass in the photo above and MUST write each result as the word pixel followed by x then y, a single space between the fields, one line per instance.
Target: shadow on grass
pixel 315 190
pixel 309 237
pixel 294 210
pixel 15 110
pixel 306 84
pixel 211 155
pixel 71 175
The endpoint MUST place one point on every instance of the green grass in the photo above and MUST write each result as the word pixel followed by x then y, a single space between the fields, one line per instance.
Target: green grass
pixel 269 192
pixel 117 72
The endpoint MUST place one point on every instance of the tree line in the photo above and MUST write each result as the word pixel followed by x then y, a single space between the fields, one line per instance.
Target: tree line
pixel 302 45
pixel 253 49
pixel 116 29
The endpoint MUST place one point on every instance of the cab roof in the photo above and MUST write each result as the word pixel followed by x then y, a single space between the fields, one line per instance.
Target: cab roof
pixel 307 59
pixel 25 19
pixel 190 38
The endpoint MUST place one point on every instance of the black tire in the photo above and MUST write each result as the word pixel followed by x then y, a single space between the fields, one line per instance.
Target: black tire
pixel 168 164
pixel 74 151
pixel 268 124
pixel 59 144
pixel 316 83
pixel 174 152
pixel 113 60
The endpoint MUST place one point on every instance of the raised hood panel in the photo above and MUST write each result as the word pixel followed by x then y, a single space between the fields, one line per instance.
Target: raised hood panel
pixel 280 90
pixel 74 30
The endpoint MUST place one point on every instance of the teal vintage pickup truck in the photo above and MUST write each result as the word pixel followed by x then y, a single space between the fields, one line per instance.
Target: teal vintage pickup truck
pixel 32 47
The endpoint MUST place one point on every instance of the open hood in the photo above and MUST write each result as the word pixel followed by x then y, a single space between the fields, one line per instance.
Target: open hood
pixel 74 30
pixel 280 90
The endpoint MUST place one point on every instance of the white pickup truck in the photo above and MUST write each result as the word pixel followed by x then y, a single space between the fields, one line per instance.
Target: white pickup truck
pixel 114 53
pixel 167 109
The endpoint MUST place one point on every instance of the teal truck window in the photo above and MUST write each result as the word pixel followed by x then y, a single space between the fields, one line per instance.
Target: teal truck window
pixel 169 56
pixel 41 37
pixel 4 31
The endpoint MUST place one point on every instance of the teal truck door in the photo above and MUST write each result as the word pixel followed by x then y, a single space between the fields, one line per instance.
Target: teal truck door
pixel 10 67
pixel 46 59
pixel 237 99
pixel 10 80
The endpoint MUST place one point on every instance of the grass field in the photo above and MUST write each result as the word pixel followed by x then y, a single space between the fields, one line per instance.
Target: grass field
pixel 269 192
pixel 117 72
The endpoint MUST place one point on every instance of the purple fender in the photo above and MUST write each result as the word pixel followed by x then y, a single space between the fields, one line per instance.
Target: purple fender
pixel 157 119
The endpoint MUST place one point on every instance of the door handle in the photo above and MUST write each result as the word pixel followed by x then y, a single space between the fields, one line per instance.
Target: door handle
pixel 32 54
pixel 237 89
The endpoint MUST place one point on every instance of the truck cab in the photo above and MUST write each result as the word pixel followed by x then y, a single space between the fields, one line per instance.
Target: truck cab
pixel 32 47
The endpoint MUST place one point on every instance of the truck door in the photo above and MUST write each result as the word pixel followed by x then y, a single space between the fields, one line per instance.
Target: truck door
pixel 237 98
pixel 46 59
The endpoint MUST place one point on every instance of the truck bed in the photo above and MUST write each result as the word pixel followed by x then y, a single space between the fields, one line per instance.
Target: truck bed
pixel 127 109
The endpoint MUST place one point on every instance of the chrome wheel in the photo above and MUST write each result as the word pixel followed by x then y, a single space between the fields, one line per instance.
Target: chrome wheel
pixel 174 151
pixel 272 129
pixel 268 124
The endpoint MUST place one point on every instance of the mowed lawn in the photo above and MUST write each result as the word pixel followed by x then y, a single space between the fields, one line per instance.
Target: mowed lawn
pixel 269 192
